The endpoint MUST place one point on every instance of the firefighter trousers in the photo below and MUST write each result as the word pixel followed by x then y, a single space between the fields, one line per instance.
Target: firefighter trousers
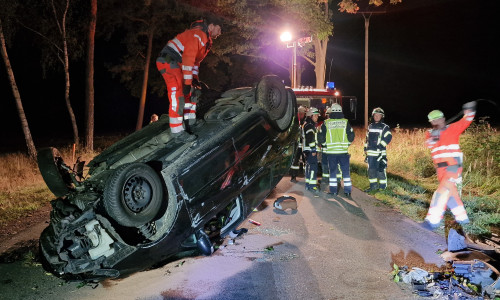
pixel 377 175
pixel 447 195
pixel 311 176
pixel 343 160
pixel 180 105
pixel 294 169
pixel 325 170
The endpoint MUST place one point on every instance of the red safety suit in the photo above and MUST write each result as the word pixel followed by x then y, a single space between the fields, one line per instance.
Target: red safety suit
pixel 179 63
pixel 447 158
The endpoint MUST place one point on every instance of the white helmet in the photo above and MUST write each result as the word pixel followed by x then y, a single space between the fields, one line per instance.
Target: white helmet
pixel 336 107
pixel 312 111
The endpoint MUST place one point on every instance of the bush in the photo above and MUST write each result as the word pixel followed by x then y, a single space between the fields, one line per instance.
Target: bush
pixel 422 165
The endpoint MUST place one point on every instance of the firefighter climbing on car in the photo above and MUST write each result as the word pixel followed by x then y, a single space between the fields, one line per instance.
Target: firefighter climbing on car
pixel 443 141
pixel 378 137
pixel 337 134
pixel 178 64
pixel 310 150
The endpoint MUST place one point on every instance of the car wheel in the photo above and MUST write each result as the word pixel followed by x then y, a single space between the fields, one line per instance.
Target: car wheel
pixel 54 171
pixel 284 122
pixel 272 96
pixel 133 195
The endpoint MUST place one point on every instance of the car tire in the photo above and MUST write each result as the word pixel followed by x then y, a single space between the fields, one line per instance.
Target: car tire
pixel 284 122
pixel 272 96
pixel 133 195
pixel 57 178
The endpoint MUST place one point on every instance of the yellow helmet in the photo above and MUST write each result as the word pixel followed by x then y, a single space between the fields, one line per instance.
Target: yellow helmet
pixel 435 114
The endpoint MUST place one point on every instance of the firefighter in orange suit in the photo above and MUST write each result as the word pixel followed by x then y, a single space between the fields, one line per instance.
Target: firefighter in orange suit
pixel 179 63
pixel 443 141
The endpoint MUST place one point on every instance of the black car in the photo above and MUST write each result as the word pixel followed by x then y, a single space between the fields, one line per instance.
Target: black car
pixel 149 197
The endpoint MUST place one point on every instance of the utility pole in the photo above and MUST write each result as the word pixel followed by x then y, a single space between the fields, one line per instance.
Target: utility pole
pixel 367 25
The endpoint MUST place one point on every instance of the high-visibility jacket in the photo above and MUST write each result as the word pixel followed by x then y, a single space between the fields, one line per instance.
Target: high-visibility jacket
pixel 310 135
pixel 378 137
pixel 445 149
pixel 336 135
pixel 189 48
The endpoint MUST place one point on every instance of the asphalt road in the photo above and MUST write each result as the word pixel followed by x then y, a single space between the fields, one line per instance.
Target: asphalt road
pixel 329 248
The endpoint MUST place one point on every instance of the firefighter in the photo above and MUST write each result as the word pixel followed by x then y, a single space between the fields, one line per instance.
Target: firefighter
pixel 294 169
pixel 310 150
pixel 337 134
pixel 378 137
pixel 443 141
pixel 179 63
pixel 325 171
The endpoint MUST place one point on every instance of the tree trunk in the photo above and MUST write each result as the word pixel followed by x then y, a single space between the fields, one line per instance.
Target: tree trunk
pixel 89 91
pixel 320 64
pixel 17 97
pixel 66 76
pixel 142 102
pixel 300 69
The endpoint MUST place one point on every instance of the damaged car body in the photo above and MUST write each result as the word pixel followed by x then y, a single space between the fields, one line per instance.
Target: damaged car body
pixel 149 197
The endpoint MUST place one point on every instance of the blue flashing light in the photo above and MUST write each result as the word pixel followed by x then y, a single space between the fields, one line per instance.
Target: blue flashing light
pixel 330 85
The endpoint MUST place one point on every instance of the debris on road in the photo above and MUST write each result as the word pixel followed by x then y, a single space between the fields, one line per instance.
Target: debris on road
pixel 254 222
pixel 237 232
pixel 468 280
pixel 456 242
pixel 285 202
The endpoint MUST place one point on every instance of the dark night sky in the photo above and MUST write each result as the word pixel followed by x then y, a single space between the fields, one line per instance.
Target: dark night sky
pixel 423 55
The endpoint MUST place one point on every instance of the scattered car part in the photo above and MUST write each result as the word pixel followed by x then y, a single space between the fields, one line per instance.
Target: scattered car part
pixel 285 202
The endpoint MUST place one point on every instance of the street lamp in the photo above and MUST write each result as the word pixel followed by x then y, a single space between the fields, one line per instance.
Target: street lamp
pixel 287 37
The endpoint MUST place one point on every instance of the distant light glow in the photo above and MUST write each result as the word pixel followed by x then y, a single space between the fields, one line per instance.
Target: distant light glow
pixel 337 93
pixel 286 36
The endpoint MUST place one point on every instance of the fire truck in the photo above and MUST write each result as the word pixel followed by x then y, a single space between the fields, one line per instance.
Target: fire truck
pixel 323 98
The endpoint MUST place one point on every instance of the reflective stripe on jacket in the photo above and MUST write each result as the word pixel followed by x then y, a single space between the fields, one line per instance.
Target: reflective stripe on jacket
pixel 378 137
pixel 444 143
pixel 310 135
pixel 191 46
pixel 336 136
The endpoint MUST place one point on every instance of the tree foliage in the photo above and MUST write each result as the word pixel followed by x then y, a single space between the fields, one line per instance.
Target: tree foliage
pixel 351 6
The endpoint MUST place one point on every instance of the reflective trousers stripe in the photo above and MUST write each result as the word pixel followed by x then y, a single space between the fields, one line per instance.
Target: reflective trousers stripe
pixel 447 195
pixel 180 106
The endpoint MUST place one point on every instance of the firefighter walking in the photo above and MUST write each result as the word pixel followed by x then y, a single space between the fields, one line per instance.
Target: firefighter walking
pixel 378 137
pixel 310 150
pixel 337 134
pixel 443 141
pixel 178 64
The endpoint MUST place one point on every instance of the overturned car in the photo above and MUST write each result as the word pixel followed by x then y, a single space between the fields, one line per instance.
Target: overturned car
pixel 149 197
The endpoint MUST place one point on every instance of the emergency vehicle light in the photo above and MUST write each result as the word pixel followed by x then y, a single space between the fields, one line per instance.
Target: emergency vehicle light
pixel 330 85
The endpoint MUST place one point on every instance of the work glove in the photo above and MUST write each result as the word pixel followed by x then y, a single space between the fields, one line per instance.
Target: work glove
pixel 469 105
pixel 196 83
pixel 195 96
pixel 186 89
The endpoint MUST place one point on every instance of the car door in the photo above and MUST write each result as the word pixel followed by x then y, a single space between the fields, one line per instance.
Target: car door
pixel 208 181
